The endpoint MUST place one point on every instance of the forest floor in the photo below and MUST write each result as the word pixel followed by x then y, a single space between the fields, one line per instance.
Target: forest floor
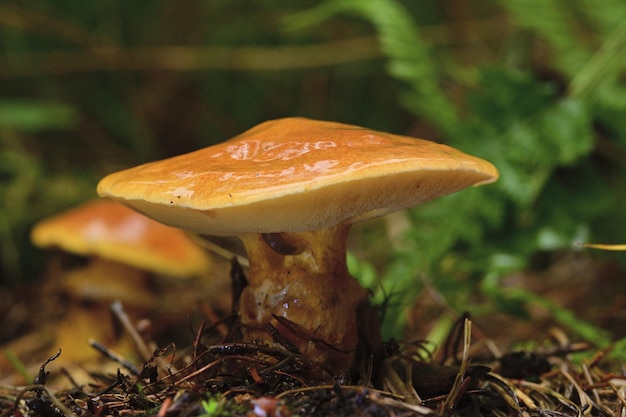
pixel 491 365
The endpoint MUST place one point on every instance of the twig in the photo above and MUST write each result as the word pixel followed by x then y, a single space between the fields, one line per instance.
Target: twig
pixel 456 391
pixel 143 349
pixel 114 356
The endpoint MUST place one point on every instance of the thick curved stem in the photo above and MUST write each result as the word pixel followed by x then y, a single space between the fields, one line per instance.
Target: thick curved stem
pixel 309 298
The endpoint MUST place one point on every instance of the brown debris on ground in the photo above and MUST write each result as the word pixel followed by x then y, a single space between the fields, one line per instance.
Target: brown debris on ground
pixel 243 379
pixel 217 375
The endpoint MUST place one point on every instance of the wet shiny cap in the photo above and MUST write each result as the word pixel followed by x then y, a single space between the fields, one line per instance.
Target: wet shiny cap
pixel 294 175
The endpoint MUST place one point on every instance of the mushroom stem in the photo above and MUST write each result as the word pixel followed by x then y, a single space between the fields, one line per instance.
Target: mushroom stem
pixel 90 289
pixel 309 298
pixel 103 281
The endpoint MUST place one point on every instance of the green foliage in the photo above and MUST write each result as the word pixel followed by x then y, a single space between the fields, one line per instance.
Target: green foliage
pixel 18 365
pixel 23 177
pixel 525 130
pixel 400 41
pixel 213 407
pixel 217 406
pixel 34 117
pixel 536 136
pixel 618 350
pixel 552 22
pixel 508 299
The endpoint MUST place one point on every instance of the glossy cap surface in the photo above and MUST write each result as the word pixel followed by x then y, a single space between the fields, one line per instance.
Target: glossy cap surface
pixel 293 175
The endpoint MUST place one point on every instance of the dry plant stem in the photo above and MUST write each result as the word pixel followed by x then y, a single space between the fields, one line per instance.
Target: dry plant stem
pixel 142 347
pixel 310 289
pixel 456 387
pixel 114 356
pixel 394 384
pixel 118 309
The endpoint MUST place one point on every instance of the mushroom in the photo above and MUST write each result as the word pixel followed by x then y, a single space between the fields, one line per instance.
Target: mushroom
pixel 112 233
pixel 124 249
pixel 290 189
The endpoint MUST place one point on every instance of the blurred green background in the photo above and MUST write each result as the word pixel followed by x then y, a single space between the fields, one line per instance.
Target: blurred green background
pixel 535 86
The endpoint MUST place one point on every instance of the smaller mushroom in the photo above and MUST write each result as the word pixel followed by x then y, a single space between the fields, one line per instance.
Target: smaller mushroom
pixel 125 250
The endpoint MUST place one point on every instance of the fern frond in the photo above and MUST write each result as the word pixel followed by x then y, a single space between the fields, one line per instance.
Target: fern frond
pixel 605 19
pixel 400 41
pixel 550 20
pixel 604 66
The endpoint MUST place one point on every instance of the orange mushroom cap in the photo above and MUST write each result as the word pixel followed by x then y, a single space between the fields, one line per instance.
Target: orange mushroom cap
pixel 303 183
pixel 115 232
pixel 294 175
